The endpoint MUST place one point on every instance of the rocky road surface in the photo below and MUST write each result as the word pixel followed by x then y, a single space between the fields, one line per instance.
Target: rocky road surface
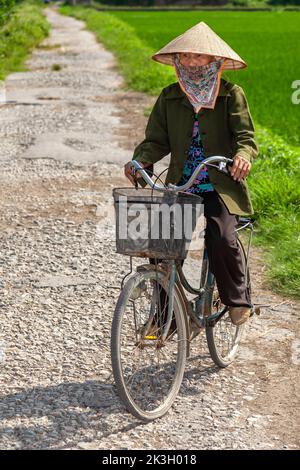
pixel 64 136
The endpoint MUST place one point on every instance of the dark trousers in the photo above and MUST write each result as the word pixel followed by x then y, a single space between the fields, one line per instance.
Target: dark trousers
pixel 224 254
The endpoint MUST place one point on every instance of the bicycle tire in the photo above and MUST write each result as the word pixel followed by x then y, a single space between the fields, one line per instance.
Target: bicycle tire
pixel 133 404
pixel 215 349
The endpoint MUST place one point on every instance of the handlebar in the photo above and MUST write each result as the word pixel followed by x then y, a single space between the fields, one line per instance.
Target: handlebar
pixel 136 166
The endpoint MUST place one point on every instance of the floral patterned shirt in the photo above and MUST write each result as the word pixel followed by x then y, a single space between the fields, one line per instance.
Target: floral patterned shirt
pixel 195 156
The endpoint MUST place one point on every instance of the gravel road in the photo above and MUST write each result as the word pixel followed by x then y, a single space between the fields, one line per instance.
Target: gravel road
pixel 64 137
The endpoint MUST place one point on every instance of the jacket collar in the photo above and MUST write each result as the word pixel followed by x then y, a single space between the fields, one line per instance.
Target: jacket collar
pixel 176 92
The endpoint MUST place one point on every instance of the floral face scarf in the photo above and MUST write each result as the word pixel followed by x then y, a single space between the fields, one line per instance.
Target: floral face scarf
pixel 201 82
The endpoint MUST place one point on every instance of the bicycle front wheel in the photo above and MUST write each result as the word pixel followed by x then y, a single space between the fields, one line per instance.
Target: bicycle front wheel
pixel 223 338
pixel 148 371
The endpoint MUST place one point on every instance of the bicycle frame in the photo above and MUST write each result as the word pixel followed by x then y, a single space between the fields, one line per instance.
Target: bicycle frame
pixel 173 267
pixel 177 277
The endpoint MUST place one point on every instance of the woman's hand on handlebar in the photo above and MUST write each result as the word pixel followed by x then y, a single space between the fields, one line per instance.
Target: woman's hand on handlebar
pixel 240 168
pixel 129 171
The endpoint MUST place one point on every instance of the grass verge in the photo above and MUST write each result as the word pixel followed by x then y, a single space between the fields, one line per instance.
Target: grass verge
pixel 26 27
pixel 275 176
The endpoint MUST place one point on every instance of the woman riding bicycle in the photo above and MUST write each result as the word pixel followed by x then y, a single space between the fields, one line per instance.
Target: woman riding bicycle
pixel 202 115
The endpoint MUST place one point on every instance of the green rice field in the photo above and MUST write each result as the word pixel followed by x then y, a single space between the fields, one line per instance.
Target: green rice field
pixel 269 42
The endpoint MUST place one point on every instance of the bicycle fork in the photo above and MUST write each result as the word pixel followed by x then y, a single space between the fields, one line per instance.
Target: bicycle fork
pixel 170 300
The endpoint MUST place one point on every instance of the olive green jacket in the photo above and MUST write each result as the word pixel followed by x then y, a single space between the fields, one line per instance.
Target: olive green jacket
pixel 226 130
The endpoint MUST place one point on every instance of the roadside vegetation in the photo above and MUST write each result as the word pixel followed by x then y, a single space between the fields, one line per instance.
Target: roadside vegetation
pixel 22 27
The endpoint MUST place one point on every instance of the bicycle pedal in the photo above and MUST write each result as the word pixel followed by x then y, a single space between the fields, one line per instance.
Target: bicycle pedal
pixel 194 330
pixel 254 311
pixel 194 318
pixel 198 322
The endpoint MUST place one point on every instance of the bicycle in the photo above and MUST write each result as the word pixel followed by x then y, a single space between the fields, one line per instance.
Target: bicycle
pixel 154 322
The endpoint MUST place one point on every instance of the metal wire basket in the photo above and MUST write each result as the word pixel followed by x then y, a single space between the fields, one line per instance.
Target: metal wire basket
pixel 155 224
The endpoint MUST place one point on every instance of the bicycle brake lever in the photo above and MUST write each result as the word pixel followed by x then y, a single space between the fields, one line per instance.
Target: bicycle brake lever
pixel 133 174
pixel 225 167
pixel 220 167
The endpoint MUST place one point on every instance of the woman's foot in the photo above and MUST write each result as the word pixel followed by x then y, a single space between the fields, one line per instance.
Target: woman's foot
pixel 239 315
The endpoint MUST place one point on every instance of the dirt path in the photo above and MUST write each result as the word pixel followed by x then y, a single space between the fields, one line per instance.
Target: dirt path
pixel 64 137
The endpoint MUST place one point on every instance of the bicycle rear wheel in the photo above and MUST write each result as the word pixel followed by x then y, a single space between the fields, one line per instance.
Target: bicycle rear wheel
pixel 147 372
pixel 223 338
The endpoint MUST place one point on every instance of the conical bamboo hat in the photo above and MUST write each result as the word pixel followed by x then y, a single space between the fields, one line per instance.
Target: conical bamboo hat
pixel 200 39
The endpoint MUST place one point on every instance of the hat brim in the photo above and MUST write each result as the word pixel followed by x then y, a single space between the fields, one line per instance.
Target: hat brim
pixel 230 64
